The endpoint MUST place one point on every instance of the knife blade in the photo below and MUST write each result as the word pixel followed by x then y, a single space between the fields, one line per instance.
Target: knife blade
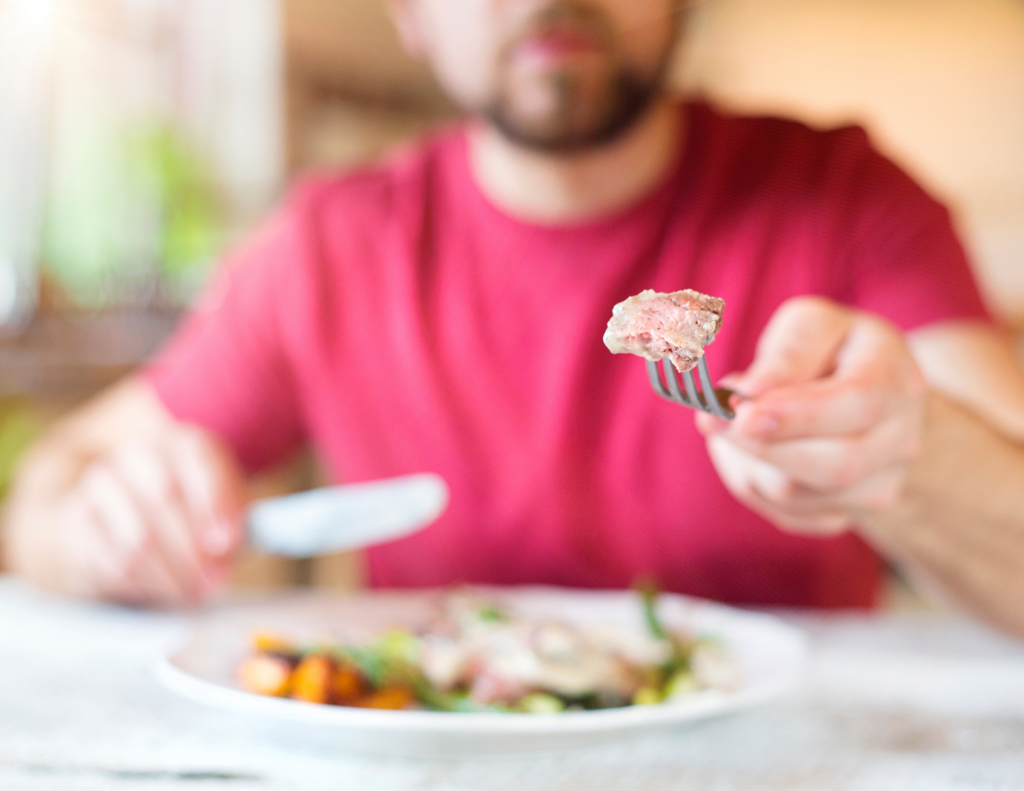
pixel 348 517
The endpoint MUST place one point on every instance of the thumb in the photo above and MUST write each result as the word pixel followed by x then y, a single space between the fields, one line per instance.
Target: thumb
pixel 800 344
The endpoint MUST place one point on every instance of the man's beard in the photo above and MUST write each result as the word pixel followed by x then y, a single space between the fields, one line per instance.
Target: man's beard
pixel 628 100
pixel 580 118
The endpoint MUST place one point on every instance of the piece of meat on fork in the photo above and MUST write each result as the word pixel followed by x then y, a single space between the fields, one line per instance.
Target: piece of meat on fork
pixel 674 329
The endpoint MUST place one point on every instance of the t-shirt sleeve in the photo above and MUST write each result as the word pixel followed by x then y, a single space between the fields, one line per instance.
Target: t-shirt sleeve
pixel 906 262
pixel 228 367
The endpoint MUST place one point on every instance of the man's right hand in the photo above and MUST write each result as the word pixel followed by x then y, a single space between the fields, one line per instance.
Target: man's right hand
pixel 152 524
pixel 123 503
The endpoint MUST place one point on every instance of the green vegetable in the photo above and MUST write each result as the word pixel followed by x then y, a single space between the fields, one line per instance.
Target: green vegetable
pixel 647 696
pixel 393 660
pixel 681 683
pixel 399 645
pixel 648 590
pixel 375 667
pixel 680 659
pixel 540 703
pixel 434 699
pixel 492 614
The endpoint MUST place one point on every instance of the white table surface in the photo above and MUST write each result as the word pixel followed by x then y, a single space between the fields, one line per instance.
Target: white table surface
pixel 924 702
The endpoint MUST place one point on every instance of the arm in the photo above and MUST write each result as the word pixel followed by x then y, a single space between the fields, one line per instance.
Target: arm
pixel 120 501
pixel 841 433
pixel 958 529
pixel 123 501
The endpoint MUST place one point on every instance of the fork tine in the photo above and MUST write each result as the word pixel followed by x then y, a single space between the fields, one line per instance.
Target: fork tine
pixel 706 399
pixel 673 384
pixel 702 396
pixel 691 390
pixel 656 383
pixel 711 403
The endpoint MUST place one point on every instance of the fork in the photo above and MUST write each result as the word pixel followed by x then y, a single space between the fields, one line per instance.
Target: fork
pixel 708 398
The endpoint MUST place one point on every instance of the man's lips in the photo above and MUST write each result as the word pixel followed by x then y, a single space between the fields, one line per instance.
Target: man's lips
pixel 553 46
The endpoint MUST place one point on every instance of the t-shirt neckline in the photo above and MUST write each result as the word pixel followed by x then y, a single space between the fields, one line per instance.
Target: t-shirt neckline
pixel 679 177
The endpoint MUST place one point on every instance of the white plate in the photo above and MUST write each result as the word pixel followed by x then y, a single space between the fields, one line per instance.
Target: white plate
pixel 772 656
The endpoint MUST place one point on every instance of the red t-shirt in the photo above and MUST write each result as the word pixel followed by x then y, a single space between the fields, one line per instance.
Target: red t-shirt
pixel 401 323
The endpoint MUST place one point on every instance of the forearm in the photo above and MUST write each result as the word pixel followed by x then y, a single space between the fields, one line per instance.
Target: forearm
pixel 960 522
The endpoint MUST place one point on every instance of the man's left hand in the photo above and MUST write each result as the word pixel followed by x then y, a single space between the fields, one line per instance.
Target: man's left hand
pixel 831 417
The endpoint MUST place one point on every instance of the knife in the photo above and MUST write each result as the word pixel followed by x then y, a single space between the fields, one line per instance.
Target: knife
pixel 345 518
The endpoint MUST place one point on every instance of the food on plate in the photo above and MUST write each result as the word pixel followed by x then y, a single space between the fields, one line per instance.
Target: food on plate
pixel 655 326
pixel 268 674
pixel 475 655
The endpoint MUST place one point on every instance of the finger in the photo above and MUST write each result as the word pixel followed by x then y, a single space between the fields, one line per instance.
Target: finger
pixel 765 490
pixel 735 466
pixel 787 503
pixel 89 561
pixel 731 380
pixel 212 491
pixel 709 425
pixel 822 523
pixel 827 407
pixel 799 344
pixel 874 494
pixel 113 572
pixel 832 464
pixel 874 376
pixel 803 510
pixel 102 567
pixel 130 536
pixel 159 500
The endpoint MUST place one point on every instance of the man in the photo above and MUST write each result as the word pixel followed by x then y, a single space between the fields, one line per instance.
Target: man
pixel 444 312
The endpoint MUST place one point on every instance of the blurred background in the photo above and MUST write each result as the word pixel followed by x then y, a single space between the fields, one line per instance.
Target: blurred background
pixel 139 138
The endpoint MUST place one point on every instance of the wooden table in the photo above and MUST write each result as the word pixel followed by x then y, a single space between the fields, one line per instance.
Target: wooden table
pixel 921 702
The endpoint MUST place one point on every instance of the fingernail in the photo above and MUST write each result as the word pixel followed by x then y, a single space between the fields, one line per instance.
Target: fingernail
pixel 763 425
pixel 217 540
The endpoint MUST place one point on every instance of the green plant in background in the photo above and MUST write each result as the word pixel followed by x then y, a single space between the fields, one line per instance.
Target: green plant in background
pixel 128 212
pixel 19 427
pixel 192 222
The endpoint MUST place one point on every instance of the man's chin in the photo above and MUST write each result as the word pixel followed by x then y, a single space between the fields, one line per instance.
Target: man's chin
pixel 585 131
